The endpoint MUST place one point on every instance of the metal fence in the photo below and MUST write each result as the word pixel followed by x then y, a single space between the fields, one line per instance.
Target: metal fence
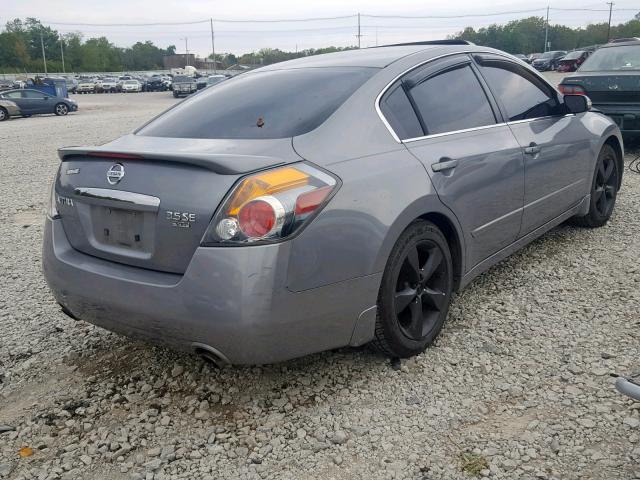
pixel 15 76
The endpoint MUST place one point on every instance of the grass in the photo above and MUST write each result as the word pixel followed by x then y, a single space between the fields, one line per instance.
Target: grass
pixel 473 464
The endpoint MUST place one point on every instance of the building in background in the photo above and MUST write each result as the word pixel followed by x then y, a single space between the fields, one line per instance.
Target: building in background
pixel 181 60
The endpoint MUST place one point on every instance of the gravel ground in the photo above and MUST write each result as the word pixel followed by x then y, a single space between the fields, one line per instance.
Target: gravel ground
pixel 519 385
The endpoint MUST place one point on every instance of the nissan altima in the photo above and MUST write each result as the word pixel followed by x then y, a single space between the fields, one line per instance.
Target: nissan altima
pixel 327 201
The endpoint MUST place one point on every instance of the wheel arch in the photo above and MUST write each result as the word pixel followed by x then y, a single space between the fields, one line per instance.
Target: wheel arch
pixel 435 212
pixel 615 143
pixel 448 229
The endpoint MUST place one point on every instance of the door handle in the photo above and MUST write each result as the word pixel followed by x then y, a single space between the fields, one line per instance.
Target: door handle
pixel 445 163
pixel 532 149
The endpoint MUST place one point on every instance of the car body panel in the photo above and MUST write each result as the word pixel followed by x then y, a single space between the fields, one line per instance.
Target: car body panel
pixel 11 107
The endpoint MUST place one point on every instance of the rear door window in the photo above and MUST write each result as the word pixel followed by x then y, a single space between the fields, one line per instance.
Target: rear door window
pixel 522 93
pixel 399 113
pixel 452 100
pixel 262 104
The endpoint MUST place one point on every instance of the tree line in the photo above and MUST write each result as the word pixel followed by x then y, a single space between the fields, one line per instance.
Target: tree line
pixel 22 41
pixel 528 34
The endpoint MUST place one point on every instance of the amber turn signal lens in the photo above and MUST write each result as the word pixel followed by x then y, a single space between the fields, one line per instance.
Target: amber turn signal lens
pixel 266 183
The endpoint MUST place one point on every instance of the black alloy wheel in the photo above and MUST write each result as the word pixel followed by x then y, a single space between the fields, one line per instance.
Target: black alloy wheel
pixel 415 292
pixel 606 185
pixel 604 190
pixel 421 286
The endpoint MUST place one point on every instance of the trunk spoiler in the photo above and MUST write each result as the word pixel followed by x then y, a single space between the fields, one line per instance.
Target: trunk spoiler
pixel 223 164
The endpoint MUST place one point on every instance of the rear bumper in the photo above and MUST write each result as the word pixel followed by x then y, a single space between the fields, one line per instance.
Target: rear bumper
pixel 232 299
pixel 627 117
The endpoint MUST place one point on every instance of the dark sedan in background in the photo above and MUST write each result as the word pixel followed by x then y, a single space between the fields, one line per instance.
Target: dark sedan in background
pixel 611 79
pixel 548 60
pixel 32 102
pixel 572 60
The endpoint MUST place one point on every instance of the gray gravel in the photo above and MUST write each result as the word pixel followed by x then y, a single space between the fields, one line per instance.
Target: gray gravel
pixel 519 384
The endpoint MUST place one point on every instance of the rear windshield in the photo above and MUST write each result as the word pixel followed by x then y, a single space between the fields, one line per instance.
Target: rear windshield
pixel 573 55
pixel 613 58
pixel 268 104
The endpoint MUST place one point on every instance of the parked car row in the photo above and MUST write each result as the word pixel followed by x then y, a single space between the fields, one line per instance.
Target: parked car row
pixel 124 83
pixel 184 85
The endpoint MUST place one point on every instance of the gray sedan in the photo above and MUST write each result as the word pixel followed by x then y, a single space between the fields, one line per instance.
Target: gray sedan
pixel 32 102
pixel 332 200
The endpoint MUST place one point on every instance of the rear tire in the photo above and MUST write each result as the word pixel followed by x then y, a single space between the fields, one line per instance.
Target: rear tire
pixel 415 294
pixel 604 190
pixel 4 115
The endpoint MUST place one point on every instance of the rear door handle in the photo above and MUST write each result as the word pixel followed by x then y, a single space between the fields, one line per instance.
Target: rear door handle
pixel 444 164
pixel 532 149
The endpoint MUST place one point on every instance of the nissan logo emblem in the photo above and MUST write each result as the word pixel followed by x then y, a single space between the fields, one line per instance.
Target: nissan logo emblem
pixel 115 173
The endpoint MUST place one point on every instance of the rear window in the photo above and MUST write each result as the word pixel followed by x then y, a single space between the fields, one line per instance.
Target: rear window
pixel 573 55
pixel 613 58
pixel 268 104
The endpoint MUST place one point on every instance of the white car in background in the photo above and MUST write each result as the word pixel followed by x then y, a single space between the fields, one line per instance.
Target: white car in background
pixel 86 86
pixel 131 86
pixel 107 85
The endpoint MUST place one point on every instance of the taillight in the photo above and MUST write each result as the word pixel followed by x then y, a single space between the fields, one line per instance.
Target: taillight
pixel 270 206
pixel 571 89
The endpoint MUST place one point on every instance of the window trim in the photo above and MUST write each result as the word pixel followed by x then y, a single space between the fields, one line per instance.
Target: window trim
pixel 552 91
pixel 462 63
pixel 468 52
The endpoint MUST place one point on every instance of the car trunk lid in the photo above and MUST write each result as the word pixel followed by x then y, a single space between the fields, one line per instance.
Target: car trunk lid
pixel 147 201
pixel 609 87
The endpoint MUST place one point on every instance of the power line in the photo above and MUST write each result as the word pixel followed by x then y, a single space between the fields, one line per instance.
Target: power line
pixel 341 17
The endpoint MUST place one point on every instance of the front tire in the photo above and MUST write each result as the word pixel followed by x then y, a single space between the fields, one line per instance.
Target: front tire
pixel 604 190
pixel 61 109
pixel 415 294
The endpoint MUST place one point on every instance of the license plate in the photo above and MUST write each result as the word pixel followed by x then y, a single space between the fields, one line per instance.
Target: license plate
pixel 122 228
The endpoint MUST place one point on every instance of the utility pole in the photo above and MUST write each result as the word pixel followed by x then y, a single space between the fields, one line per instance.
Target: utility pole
pixel 186 49
pixel 359 35
pixel 609 28
pixel 376 35
pixel 44 57
pixel 546 31
pixel 213 46
pixel 62 54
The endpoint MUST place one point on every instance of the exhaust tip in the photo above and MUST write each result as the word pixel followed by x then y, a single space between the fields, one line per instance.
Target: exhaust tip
pixel 211 355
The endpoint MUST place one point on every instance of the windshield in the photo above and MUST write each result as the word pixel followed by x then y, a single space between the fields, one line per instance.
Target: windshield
pixel 182 78
pixel 130 82
pixel 548 55
pixel 613 58
pixel 263 104
pixel 573 55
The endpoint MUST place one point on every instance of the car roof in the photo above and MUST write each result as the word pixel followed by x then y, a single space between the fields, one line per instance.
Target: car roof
pixel 374 57
pixel 621 44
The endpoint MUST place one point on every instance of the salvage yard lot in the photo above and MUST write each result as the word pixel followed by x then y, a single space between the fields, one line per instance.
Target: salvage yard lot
pixel 518 385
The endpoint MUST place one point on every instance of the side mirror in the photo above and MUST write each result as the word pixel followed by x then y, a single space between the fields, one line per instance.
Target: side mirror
pixel 577 103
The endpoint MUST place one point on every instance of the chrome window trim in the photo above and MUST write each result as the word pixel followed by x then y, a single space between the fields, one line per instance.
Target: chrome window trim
pixel 129 198
pixel 453 132
pixel 435 135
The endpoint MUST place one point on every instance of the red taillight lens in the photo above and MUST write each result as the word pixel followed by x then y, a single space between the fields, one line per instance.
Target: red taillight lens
pixel 571 89
pixel 308 202
pixel 257 218
pixel 128 156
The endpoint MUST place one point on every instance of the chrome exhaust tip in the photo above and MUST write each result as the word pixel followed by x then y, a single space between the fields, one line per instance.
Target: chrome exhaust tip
pixel 211 355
